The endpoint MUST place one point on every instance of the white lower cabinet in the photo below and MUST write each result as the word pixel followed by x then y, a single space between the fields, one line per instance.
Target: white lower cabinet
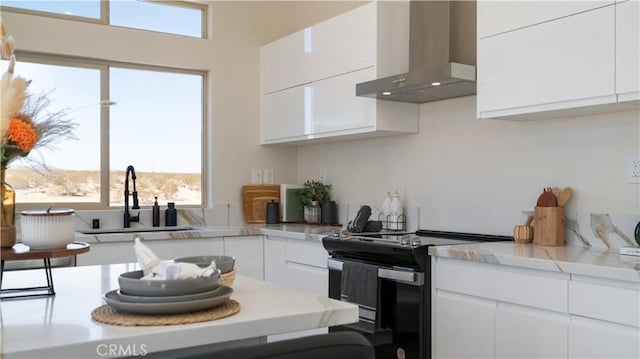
pixel 275 266
pixel 298 264
pixel 460 316
pixel 123 252
pixel 525 332
pixel 481 311
pixel 248 251
pixel 249 254
pixel 591 338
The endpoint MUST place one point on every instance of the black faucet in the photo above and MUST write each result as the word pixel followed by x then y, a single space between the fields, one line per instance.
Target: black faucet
pixel 127 217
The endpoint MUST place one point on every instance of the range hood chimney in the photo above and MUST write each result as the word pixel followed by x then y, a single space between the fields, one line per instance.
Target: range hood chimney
pixel 442 55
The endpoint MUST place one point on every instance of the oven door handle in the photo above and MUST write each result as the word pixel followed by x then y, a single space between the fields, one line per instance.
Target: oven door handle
pixel 401 276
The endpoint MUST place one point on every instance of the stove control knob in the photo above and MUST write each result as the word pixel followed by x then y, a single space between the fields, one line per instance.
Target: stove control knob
pixel 416 242
pixel 405 241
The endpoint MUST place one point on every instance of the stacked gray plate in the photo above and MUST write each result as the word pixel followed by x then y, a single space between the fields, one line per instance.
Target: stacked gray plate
pixel 145 296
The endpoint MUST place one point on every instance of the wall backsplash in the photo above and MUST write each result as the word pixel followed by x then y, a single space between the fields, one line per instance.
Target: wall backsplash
pixel 602 230
pixel 471 175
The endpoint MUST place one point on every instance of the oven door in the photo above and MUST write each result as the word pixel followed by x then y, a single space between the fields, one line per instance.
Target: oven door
pixel 403 308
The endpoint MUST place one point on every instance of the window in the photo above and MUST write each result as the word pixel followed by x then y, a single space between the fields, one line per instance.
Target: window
pixel 173 17
pixel 156 125
pixel 72 173
pixel 82 8
pixel 161 17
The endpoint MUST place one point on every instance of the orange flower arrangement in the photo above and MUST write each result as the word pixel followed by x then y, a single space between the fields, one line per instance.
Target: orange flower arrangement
pixel 21 137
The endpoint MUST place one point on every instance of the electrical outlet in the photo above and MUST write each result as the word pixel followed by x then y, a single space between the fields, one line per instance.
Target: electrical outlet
pixel 633 169
pixel 256 176
pixel 267 176
pixel 323 175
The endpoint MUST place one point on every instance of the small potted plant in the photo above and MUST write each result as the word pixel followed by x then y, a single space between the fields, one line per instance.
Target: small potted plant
pixel 314 193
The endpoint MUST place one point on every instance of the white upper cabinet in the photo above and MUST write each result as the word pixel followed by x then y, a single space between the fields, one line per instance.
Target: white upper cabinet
pixel 285 63
pixel 563 60
pixel 569 62
pixel 308 78
pixel 495 17
pixel 628 50
pixel 343 44
pixel 329 108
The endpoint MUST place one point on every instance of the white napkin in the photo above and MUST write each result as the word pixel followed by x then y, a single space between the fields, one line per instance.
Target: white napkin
pixel 157 269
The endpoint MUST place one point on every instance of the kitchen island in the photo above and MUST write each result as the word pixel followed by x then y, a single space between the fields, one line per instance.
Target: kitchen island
pixel 60 326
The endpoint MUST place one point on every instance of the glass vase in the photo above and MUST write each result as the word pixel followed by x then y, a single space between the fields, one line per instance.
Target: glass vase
pixel 312 213
pixel 8 219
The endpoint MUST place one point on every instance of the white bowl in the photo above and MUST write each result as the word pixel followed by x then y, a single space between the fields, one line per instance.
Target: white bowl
pixel 132 284
pixel 224 263
pixel 47 229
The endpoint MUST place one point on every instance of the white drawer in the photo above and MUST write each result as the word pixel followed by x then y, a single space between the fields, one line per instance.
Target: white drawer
pixel 306 252
pixel 522 286
pixel 613 301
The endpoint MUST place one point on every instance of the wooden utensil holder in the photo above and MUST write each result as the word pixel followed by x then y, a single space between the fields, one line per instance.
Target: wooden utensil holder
pixel 549 226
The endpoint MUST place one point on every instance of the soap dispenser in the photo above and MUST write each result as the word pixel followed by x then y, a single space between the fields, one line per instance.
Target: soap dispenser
pixel 171 215
pixel 395 210
pixel 386 210
pixel 156 213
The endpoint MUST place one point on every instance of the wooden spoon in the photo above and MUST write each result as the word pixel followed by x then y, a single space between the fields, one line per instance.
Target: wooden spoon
pixel 564 196
pixel 556 191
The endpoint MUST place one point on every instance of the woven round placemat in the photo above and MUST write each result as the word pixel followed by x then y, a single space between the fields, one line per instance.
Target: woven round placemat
pixel 108 315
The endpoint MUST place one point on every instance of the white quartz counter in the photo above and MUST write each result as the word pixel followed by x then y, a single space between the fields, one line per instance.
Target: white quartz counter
pixel 298 231
pixel 189 232
pixel 61 326
pixel 567 259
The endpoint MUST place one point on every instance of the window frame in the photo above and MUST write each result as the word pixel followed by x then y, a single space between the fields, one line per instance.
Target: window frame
pixel 103 66
pixel 105 15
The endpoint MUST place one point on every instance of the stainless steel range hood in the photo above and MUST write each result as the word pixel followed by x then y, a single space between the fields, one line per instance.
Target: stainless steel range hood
pixel 442 55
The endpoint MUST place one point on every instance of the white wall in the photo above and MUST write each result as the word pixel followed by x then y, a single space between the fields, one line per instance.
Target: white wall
pixel 476 175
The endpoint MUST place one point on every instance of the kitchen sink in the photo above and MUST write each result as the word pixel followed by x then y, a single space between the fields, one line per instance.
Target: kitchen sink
pixel 137 230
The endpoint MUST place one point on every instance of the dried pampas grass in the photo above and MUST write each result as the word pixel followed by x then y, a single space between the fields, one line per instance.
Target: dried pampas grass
pixel 13 93
pixel 8 47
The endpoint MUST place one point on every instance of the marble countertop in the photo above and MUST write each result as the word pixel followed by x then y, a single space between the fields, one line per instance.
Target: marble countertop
pixel 61 326
pixel 567 259
pixel 298 231
pixel 187 232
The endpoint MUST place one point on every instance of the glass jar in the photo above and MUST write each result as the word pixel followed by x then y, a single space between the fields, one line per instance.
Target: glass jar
pixel 312 213
pixel 8 219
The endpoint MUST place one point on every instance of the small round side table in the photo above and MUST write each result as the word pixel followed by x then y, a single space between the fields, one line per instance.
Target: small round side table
pixel 21 252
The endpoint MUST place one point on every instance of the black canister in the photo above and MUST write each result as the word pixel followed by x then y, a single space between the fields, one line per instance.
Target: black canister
pixel 273 212
pixel 329 212
pixel 171 215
